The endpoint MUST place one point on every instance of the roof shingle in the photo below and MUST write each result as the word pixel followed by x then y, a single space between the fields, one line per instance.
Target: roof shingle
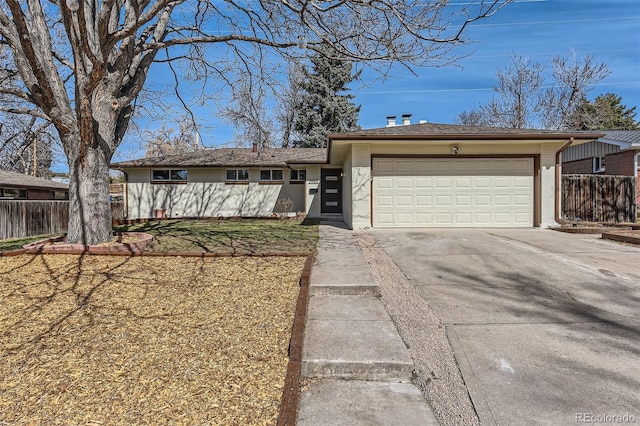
pixel 435 130
pixel 14 179
pixel 233 157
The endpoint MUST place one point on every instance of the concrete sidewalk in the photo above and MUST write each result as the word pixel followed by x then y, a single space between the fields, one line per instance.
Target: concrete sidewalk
pixel 358 369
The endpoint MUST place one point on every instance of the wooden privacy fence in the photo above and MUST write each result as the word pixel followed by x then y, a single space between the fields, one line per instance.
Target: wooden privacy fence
pixel 599 198
pixel 19 219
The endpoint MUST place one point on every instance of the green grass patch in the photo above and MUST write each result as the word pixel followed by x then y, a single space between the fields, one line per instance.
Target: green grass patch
pixel 237 236
pixel 17 243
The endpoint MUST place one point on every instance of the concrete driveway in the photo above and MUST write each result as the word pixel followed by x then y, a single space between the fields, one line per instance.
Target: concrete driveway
pixel 545 326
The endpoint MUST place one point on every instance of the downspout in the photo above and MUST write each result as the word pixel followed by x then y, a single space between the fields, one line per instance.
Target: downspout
pixel 557 213
pixel 635 175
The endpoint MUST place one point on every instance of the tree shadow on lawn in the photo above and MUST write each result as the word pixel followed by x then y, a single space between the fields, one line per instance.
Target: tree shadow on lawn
pixel 231 236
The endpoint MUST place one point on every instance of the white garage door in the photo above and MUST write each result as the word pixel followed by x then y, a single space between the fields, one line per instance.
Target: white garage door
pixel 450 192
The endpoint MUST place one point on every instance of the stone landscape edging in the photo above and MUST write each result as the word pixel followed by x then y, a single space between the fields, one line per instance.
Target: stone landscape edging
pixel 47 246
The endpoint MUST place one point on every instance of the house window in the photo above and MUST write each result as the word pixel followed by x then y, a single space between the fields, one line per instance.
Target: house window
pixel 169 175
pixel 275 174
pixel 298 175
pixel 59 195
pixel 237 175
pixel 13 193
pixel 598 164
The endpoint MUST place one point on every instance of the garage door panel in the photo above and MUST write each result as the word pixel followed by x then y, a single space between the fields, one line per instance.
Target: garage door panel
pixel 482 182
pixel 424 200
pixel 385 201
pixel 444 182
pixel 445 201
pixel 424 219
pixel 464 200
pixel 404 183
pixel 502 200
pixel 444 218
pixel 463 182
pixel 450 192
pixel 404 201
pixel 384 183
pixel 521 182
pixel 482 200
pixel 482 219
pixel 464 219
pixel 424 183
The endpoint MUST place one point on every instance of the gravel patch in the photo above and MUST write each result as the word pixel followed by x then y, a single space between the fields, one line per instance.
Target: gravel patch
pixel 436 372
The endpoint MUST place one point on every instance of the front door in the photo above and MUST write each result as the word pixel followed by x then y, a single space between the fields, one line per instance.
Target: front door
pixel 331 187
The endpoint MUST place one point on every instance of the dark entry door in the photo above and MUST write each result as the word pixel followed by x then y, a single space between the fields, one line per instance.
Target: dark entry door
pixel 331 187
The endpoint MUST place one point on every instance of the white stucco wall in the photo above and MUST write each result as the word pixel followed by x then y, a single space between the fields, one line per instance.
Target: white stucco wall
pixel 360 186
pixel 312 191
pixel 548 184
pixel 347 185
pixel 206 194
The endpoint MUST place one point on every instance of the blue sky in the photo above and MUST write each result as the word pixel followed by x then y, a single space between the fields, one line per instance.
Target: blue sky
pixel 609 30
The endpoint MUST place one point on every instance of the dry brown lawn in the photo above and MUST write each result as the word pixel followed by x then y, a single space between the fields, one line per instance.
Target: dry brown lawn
pixel 144 340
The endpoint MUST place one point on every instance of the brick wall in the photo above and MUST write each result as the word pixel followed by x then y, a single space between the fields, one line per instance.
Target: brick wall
pixel 578 167
pixel 620 163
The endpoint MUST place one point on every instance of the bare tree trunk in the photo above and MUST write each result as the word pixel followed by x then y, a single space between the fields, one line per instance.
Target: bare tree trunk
pixel 89 204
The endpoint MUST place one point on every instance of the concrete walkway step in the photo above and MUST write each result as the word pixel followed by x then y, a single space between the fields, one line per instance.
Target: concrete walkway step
pixel 342 279
pixel 345 402
pixel 353 337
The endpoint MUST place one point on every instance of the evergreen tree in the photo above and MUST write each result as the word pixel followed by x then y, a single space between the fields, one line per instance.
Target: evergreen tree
pixel 606 112
pixel 323 107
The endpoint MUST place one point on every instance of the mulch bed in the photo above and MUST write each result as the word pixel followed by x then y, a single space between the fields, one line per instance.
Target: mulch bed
pixel 145 340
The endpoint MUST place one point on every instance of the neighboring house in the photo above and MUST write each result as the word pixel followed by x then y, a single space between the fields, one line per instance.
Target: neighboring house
pixel 616 153
pixel 17 186
pixel 421 175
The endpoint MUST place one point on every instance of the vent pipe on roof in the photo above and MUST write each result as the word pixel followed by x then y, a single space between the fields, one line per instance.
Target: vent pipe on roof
pixel 254 148
pixel 406 119
pixel 391 120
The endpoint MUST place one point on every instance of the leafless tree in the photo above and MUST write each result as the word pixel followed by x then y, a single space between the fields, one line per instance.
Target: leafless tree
pixel 573 79
pixel 289 99
pixel 249 113
pixel 523 100
pixel 26 144
pixel 169 141
pixel 81 64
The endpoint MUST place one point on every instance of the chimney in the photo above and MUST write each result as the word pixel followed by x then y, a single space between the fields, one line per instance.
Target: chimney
pixel 391 120
pixel 406 119
pixel 254 148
